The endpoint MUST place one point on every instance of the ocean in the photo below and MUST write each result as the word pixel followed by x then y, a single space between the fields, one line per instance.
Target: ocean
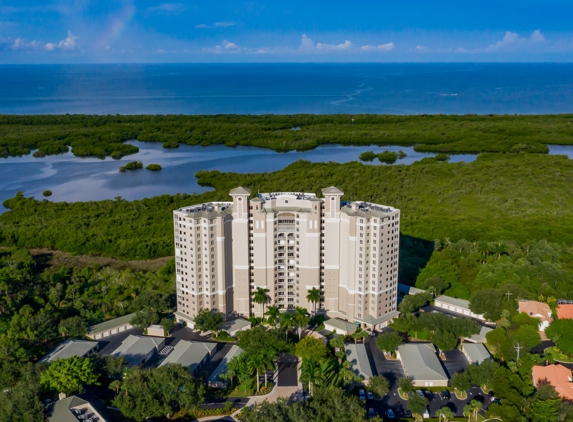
pixel 453 88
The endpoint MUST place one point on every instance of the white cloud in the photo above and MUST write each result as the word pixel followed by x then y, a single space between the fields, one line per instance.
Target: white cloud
pixel 339 47
pixel 306 43
pixel 381 47
pixel 168 8
pixel 511 40
pixel 224 24
pixel 21 44
pixel 224 47
pixel 66 44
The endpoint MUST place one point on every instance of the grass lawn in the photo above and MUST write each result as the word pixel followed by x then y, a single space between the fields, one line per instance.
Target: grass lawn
pixel 556 354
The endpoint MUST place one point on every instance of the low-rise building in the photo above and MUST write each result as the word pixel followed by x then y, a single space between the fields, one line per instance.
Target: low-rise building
pixel 558 376
pixel 138 350
pixel 357 356
pixel 405 290
pixel 538 310
pixel 340 326
pixel 420 361
pixel 479 337
pixel 156 330
pixel 82 407
pixel 233 326
pixel 79 348
pixel 192 354
pixel 459 306
pixel 215 380
pixel 110 327
pixel 475 353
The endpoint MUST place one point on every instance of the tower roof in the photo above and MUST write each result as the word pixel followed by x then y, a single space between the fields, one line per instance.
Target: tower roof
pixel 240 191
pixel 332 190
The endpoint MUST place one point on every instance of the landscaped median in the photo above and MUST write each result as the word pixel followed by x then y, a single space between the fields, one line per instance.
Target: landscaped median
pixel 557 355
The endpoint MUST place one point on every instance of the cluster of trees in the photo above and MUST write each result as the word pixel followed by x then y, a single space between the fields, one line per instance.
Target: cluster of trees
pixel 484 272
pixel 104 135
pixel 513 329
pixel 561 332
pixel 388 157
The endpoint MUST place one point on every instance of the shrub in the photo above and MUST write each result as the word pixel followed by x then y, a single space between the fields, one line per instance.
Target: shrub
pixel 154 167
pixel 134 165
pixel 47 193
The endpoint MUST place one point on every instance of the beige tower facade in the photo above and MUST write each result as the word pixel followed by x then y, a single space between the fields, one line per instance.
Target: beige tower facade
pixel 288 243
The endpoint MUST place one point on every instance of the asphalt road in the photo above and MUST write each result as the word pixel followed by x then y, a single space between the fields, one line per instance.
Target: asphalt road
pixel 287 371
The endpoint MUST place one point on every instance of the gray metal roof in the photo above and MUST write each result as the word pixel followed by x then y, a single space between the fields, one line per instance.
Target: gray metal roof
pixel 222 367
pixel 135 348
pixel 240 191
pixel 480 337
pixel 476 352
pixel 340 324
pixel 370 320
pixel 421 362
pixel 70 348
pixel 357 356
pixel 409 290
pixel 189 353
pixel 60 411
pixel 110 323
pixel 236 324
pixel 453 301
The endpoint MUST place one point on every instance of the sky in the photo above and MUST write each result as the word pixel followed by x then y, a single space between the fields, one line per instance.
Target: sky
pixel 130 31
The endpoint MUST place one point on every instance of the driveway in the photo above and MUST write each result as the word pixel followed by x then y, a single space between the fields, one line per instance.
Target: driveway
pixel 391 369
pixel 454 361
pixel 287 371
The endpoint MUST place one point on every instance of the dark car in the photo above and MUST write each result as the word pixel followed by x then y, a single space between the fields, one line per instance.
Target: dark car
pixel 445 395
pixel 408 413
pixel 429 395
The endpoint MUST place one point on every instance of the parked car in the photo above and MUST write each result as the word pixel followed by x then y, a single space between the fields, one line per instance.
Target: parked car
pixel 361 395
pixel 408 413
pixel 426 414
pixel 429 395
pixel 445 395
pixel 371 413
pixel 370 395
pixel 420 393
pixel 390 414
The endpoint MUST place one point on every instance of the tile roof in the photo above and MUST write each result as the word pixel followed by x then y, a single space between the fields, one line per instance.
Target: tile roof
pixel 558 376
pixel 565 311
pixel 536 309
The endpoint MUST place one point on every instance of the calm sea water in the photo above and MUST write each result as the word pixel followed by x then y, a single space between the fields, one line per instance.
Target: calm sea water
pixel 287 88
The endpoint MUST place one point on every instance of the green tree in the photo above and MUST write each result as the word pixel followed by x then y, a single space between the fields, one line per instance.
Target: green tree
pixel 417 405
pixel 527 336
pixel 111 366
pixel 561 332
pixel 461 381
pixel 389 342
pixel 209 320
pixel 435 284
pixel 144 318
pixel 406 384
pixel 258 362
pixel 379 385
pixel 273 315
pixel 359 334
pixel 158 392
pixel 310 348
pixel 337 342
pixel 475 407
pixel 286 323
pixel 74 327
pixel 69 375
pixel 411 303
pixel 167 325
pixel 445 414
pixel 488 303
pixel 300 319
pixel 313 296
pixel 311 373
pixel 20 401
pixel 152 300
pixel 499 344
pixel 544 405
pixel 260 297
pixel 260 339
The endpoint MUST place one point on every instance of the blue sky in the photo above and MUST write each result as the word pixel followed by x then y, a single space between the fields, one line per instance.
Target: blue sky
pixel 109 31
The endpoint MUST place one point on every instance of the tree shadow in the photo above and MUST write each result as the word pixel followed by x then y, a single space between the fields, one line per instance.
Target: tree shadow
pixel 414 255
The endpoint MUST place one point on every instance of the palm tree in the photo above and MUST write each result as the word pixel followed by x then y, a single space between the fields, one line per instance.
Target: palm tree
pixel 273 315
pixel 445 414
pixel 300 319
pixel 311 372
pixel 268 361
pixel 260 296
pixel 313 296
pixel 475 407
pixel 359 334
pixel 468 410
pixel 258 363
pixel 286 323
